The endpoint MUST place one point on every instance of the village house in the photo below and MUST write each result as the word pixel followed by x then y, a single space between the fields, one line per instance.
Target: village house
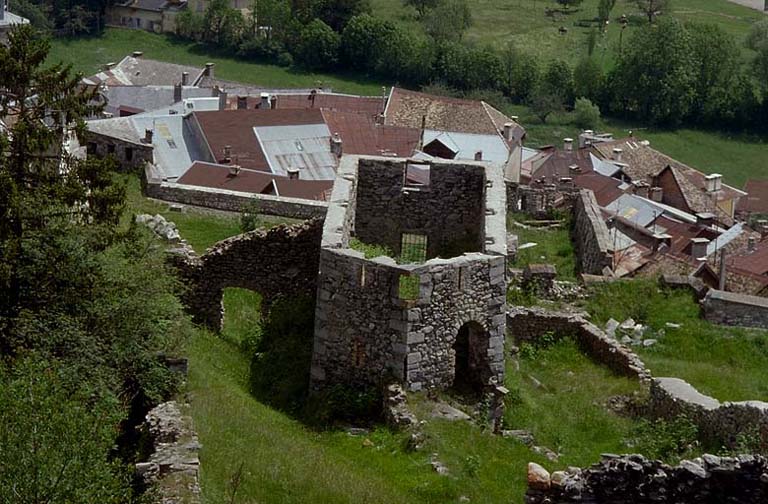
pixel 157 16
pixel 8 20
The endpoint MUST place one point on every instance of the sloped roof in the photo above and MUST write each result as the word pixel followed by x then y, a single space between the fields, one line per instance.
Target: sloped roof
pixel 251 181
pixel 465 145
pixel 367 105
pixel 361 135
pixel 145 98
pixel 140 71
pixel 756 200
pixel 235 128
pixel 303 147
pixel 408 108
pixel 606 189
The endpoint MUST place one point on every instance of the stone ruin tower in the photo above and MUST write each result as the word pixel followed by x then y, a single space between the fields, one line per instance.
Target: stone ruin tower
pixel 432 323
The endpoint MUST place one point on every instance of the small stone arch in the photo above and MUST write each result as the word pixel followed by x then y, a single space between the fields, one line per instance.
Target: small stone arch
pixel 471 363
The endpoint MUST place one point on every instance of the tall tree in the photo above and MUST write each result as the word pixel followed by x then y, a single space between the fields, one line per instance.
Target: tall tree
pixel 422 6
pixel 604 8
pixel 652 8
pixel 449 20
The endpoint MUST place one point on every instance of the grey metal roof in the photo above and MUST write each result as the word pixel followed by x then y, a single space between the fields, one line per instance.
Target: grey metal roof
pixel 11 19
pixel 603 167
pixel 635 209
pixel 528 153
pixel 147 98
pixel 467 144
pixel 305 147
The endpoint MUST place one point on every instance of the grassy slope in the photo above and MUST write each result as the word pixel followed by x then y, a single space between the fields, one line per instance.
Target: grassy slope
pixel 87 55
pixel 524 23
pixel 726 363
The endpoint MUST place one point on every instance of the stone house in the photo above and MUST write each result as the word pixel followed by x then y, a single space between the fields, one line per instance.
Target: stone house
pixel 431 324
pixel 157 16
pixel 8 20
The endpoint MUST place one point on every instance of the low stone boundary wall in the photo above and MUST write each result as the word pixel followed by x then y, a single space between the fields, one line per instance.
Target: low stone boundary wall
pixel 234 201
pixel 729 308
pixel 590 236
pixel 532 324
pixel 633 479
pixel 174 467
pixel 720 423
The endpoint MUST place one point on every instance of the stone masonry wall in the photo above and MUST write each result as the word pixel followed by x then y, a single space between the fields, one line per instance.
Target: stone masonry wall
pixel 130 156
pixel 281 261
pixel 633 479
pixel 531 324
pixel 590 236
pixel 366 331
pixel 235 201
pixel 729 308
pixel 384 210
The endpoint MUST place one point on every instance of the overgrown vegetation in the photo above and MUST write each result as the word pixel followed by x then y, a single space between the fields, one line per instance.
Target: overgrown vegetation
pixel 724 362
pixel 553 246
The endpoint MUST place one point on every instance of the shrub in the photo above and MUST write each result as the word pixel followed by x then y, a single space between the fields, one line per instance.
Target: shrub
pixel 587 114
pixel 318 46
pixel 668 440
pixel 249 216
pixel 344 403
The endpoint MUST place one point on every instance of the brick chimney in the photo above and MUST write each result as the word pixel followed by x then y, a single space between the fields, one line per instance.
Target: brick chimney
pixel 714 182
pixel 762 227
pixel 568 144
pixel 209 69
pixel 242 102
pixel 699 247
pixel 184 78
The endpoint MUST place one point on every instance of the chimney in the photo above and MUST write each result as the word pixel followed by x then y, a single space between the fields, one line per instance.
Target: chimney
pixel 242 102
pixel 714 182
pixel 176 93
pixel 699 247
pixel 107 66
pixel 209 69
pixel 568 144
pixel 222 99
pixel 148 136
pixel 293 173
pixel 312 95
pixel 336 145
pixel 657 194
pixel 641 188
pixel 751 242
pixel 617 154
pixel 264 101
pixel 479 155
pixel 762 228
pixel 508 129
pixel 515 118
pixel 184 78
pixel 574 168
pixel 705 219
pixel 660 240
pixel 234 170
pixel 137 54
pixel 423 122
pixel 273 102
pixel 227 153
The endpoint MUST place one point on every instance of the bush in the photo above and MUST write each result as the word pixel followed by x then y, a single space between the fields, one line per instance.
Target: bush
pixel 668 440
pixel 344 403
pixel 587 115
pixel 249 216
pixel 318 46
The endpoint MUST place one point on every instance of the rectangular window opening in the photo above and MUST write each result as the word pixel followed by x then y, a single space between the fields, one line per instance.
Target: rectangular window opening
pixel 416 176
pixel 408 290
pixel 413 248
pixel 129 154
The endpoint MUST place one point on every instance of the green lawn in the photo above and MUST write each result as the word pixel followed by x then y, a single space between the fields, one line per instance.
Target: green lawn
pixel 726 363
pixel 88 54
pixel 525 24
pixel 553 246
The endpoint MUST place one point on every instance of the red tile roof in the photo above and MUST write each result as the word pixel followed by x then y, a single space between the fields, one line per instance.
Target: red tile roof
pixel 756 200
pixel 368 105
pixel 235 128
pixel 361 135
pixel 251 181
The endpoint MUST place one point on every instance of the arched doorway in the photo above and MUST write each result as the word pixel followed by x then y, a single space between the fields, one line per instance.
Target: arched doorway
pixel 471 365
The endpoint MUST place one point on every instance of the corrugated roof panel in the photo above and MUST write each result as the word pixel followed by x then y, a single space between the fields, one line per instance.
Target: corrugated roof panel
pixel 492 146
pixel 305 147
pixel 634 209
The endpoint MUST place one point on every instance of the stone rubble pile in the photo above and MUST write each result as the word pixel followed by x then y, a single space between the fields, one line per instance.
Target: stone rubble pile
pixel 163 228
pixel 397 415
pixel 631 333
pixel 528 440
pixel 633 479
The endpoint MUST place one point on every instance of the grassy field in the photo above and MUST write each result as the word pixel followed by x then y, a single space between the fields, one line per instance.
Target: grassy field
pixel 553 246
pixel 726 363
pixel 88 54
pixel 525 24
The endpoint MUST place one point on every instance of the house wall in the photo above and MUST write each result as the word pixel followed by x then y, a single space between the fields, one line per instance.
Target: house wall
pixel 671 194
pixel 135 18
pixel 590 235
pixel 729 308
pixel 130 156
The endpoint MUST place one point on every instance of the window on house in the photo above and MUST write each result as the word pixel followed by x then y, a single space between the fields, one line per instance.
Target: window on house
pixel 91 148
pixel 129 153
pixel 110 149
pixel 416 176
pixel 413 248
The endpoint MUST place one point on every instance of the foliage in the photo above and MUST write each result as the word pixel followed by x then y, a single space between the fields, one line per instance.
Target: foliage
pixel 280 365
pixel 652 8
pixel 656 76
pixel 553 246
pixel 249 216
pixel 449 20
pixel 588 79
pixel 337 13
pixel 604 8
pixel 318 46
pixel 569 3
pixel 520 73
pixel 370 250
pixel 543 103
pixel 668 440
pixel 587 114
pixel 54 435
pixel 408 288
pixel 422 6
pixel 758 35
pixel 343 403
pixel 558 81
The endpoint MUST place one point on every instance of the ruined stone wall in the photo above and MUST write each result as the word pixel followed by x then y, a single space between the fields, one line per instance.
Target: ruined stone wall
pixel 385 210
pixel 633 479
pixel 720 423
pixel 235 201
pixel 531 324
pixel 729 308
pixel 590 235
pixel 281 261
